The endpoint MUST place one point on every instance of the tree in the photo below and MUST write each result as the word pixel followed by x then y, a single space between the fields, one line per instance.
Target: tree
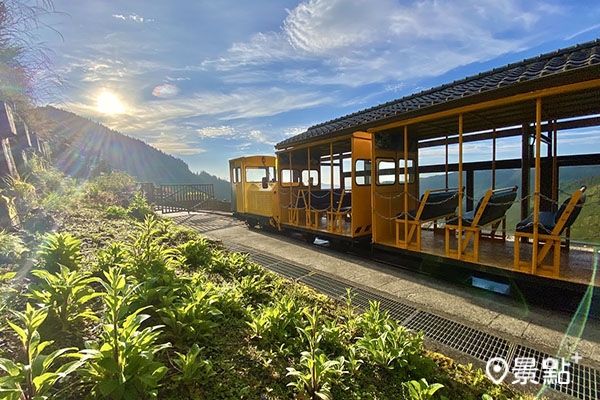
pixel 26 71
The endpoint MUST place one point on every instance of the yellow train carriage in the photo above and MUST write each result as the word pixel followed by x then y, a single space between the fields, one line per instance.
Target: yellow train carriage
pixel 325 187
pixel 253 189
pixel 535 100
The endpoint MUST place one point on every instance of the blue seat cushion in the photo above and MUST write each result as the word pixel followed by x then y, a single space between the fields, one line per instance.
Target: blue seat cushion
pixel 546 223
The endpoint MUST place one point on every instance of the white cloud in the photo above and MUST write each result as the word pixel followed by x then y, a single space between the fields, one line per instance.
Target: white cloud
pixel 176 144
pixel 132 17
pixel 216 131
pixel 358 42
pixel 581 32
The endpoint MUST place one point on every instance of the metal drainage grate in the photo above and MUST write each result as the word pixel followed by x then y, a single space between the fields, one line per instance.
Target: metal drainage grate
pixel 202 225
pixel 331 287
pixel 289 270
pixel 274 264
pixel 460 337
pixel 585 381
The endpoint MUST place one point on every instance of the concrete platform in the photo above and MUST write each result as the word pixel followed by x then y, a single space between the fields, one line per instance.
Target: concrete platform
pixel 545 331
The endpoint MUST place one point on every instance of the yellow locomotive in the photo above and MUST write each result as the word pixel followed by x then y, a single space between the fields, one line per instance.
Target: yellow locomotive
pixel 358 178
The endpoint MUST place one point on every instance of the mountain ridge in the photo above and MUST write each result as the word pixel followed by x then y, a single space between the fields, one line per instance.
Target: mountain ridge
pixel 84 148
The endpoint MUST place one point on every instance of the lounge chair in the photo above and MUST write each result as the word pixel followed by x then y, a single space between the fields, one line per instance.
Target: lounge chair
pixel 551 225
pixel 490 211
pixel 433 205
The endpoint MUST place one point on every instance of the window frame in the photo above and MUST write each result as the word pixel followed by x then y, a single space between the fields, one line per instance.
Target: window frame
pixel 378 176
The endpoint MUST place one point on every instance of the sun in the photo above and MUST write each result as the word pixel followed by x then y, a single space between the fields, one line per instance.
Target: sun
pixel 108 103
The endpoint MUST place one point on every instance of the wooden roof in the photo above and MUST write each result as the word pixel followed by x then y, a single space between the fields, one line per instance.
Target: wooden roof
pixel 571 65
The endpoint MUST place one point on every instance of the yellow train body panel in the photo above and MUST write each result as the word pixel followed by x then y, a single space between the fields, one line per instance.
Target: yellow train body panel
pixel 253 185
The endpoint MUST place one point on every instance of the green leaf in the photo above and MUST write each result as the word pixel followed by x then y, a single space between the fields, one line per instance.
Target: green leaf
pixel 19 331
pixel 107 386
pixel 9 367
pixel 109 364
pixel 44 381
pixel 7 276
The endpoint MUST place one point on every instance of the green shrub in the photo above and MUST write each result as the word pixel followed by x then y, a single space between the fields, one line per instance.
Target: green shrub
pixel 148 257
pixel 112 256
pixel 139 208
pixel 316 373
pixel 12 247
pixel 122 364
pixel 197 253
pixel 193 371
pixel 114 188
pixel 386 343
pixel 60 249
pixel 421 389
pixel 36 377
pixel 23 193
pixel 193 315
pixel 67 294
pixel 115 212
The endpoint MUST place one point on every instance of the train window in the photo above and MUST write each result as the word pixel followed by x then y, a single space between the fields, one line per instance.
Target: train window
pixel 411 171
pixel 290 177
pixel 256 174
pixel 362 171
pixel 386 172
pixel 237 175
pixel 310 176
pixel 272 174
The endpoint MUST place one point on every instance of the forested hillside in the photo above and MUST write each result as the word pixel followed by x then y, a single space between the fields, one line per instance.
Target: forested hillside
pixel 83 148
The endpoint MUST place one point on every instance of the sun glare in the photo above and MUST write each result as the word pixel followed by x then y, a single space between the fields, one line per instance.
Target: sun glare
pixel 108 103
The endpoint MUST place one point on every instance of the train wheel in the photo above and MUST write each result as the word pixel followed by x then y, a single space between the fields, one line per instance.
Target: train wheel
pixel 309 237
pixel 340 244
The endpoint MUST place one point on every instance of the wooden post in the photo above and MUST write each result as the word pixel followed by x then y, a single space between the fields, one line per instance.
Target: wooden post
pixel 525 171
pixel 537 183
pixel 460 183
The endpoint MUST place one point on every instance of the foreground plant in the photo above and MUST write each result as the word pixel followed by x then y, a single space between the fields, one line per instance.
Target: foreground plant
pixel 317 372
pixel 386 343
pixel 421 389
pixel 122 363
pixel 34 378
pixel 66 293
pixel 148 257
pixel 192 314
pixel 192 370
pixel 58 249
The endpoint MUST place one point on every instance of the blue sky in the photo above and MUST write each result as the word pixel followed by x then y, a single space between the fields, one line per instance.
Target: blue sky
pixel 207 81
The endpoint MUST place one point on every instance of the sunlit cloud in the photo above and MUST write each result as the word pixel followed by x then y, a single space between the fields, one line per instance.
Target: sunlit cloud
pixel 176 144
pixel 165 91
